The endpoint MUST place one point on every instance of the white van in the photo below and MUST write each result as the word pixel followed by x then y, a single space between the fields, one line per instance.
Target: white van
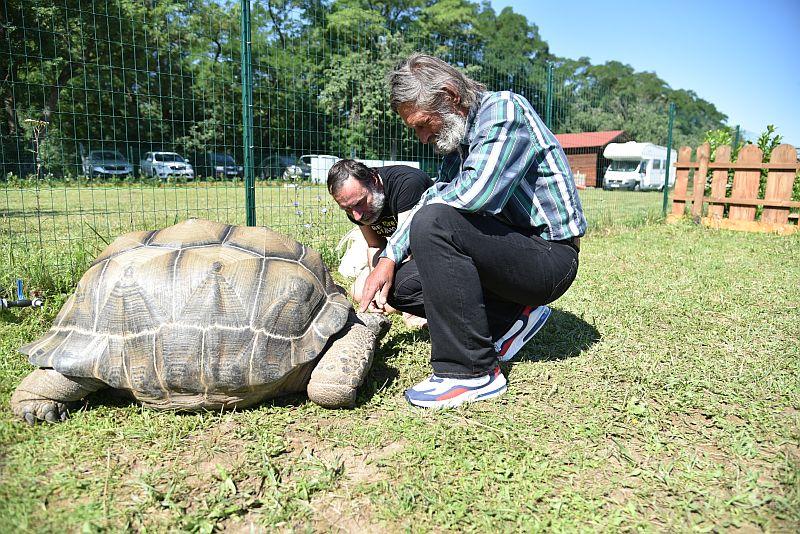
pixel 388 162
pixel 637 166
pixel 319 164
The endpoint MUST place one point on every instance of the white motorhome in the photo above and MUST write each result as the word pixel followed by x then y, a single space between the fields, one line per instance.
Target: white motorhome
pixel 637 166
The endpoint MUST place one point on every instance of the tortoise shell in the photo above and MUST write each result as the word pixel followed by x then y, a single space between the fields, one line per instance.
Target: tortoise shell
pixel 194 309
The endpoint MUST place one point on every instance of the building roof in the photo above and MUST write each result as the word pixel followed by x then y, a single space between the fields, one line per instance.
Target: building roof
pixel 588 139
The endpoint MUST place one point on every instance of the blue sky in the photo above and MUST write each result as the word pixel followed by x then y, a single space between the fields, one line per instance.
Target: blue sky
pixel 745 61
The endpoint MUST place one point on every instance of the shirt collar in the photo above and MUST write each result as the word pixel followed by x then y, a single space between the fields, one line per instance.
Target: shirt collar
pixel 472 120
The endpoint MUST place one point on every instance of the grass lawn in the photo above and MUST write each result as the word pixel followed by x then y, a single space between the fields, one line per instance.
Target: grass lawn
pixel 48 235
pixel 662 395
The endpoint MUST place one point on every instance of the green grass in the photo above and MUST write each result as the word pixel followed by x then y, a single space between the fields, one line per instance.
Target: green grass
pixel 606 210
pixel 49 234
pixel 663 395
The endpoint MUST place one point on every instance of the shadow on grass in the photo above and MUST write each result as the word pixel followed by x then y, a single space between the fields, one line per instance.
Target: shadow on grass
pixel 565 335
pixel 384 372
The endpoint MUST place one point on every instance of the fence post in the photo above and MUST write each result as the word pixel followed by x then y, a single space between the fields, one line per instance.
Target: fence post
pixel 719 181
pixel 247 116
pixel 699 183
pixel 779 185
pixel 669 157
pixel 745 183
pixel 681 183
pixel 548 116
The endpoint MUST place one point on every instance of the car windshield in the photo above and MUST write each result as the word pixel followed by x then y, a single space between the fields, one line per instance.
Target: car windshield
pixel 222 159
pixel 278 161
pixel 169 156
pixel 106 155
pixel 624 166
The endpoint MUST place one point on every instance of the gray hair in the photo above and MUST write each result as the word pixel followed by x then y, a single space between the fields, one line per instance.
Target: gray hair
pixel 421 79
pixel 344 169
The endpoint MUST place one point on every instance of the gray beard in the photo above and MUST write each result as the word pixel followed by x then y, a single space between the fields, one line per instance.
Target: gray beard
pixel 453 132
pixel 378 201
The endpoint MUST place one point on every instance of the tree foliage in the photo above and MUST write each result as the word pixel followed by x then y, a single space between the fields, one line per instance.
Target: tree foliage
pixel 138 75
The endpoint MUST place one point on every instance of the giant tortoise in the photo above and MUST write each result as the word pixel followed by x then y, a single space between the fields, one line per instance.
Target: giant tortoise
pixel 201 315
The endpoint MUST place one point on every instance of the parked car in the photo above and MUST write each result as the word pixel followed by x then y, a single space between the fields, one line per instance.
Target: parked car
pixel 165 164
pixel 218 165
pixel 283 166
pixel 105 163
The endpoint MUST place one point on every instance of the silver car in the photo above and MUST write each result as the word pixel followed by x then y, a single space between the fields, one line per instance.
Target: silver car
pixel 165 164
pixel 105 163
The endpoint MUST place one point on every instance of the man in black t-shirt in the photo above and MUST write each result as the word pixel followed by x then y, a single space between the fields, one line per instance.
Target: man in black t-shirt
pixel 377 200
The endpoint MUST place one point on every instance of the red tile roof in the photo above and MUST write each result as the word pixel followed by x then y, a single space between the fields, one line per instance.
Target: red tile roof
pixel 588 139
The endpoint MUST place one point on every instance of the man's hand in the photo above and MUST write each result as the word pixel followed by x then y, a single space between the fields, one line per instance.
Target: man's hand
pixel 377 285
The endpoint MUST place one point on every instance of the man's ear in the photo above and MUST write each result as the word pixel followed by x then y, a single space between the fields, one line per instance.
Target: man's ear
pixel 452 92
pixel 455 98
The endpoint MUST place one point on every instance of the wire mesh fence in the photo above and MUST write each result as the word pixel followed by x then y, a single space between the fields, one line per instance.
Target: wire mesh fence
pixel 124 115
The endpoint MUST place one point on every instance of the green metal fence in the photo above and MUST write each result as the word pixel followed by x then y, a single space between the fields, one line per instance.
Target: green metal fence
pixel 96 95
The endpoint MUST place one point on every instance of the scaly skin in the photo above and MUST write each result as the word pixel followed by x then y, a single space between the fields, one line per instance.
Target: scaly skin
pixel 46 395
pixel 345 363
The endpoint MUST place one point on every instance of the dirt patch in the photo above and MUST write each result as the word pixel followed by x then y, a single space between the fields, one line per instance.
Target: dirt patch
pixel 345 509
pixel 357 465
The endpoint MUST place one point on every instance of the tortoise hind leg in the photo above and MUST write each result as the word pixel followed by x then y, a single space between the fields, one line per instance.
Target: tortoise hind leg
pixel 45 395
pixel 346 361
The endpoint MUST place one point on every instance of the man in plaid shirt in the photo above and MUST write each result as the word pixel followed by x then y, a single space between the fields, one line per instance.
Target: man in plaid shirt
pixel 495 238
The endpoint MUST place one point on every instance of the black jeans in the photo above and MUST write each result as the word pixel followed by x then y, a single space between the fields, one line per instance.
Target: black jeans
pixel 471 275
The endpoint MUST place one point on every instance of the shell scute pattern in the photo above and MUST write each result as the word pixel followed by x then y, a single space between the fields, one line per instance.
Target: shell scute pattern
pixel 194 307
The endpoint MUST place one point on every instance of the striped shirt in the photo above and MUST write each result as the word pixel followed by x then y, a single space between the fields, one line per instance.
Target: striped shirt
pixel 510 166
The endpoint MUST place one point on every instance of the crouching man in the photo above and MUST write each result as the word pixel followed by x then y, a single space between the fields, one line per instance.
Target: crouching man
pixel 494 240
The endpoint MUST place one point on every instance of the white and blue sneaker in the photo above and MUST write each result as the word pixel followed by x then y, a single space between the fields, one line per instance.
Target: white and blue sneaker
pixel 529 322
pixel 438 392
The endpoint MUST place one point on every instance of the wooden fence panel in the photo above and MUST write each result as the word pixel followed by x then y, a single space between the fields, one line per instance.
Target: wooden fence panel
pixel 744 201
pixel 719 181
pixel 681 182
pixel 745 184
pixel 779 185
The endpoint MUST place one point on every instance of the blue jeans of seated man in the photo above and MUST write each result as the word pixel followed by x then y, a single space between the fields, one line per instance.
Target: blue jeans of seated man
pixel 476 274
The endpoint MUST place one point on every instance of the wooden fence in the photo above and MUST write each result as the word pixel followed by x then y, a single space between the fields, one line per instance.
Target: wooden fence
pixel 736 208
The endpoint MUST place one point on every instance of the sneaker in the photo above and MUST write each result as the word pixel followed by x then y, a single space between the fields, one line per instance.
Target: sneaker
pixel 436 392
pixel 530 321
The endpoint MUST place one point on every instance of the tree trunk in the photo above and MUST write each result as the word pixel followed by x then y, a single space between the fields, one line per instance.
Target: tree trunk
pixel 69 71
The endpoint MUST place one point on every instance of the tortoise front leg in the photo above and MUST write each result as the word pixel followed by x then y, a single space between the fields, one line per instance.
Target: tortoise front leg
pixel 45 395
pixel 346 361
